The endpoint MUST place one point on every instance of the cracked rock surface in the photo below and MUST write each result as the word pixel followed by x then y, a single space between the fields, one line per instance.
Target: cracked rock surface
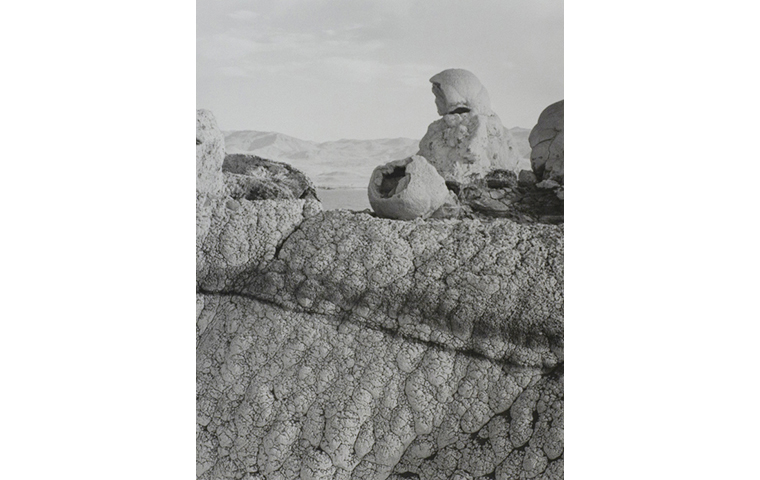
pixel 338 345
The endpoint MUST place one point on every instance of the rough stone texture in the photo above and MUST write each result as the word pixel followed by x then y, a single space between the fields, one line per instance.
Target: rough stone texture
pixel 286 395
pixel 256 178
pixel 502 195
pixel 407 189
pixel 209 154
pixel 461 283
pixel 470 140
pixel 337 345
pixel 209 182
pixel 547 141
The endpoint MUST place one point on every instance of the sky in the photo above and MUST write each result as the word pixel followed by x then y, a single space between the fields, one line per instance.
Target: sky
pixel 326 70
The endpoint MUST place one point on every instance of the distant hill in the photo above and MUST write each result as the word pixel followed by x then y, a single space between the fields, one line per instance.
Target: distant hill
pixel 336 164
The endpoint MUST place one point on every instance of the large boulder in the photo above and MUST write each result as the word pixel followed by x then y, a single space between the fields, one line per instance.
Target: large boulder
pixel 470 140
pixel 359 347
pixel 407 189
pixel 547 141
pixel 340 345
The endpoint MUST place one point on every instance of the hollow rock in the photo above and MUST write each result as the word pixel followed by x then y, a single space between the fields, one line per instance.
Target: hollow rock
pixel 407 189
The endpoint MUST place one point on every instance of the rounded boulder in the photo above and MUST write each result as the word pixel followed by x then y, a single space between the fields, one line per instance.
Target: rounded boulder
pixel 407 189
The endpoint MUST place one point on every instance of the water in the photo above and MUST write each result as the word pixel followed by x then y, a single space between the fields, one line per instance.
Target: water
pixel 350 198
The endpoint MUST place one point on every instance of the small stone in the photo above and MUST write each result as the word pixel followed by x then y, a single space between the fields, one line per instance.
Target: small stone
pixel 501 179
pixel 488 205
pixel 547 184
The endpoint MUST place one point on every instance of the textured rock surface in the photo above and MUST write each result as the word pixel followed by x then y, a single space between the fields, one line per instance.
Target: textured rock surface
pixel 501 194
pixel 470 140
pixel 407 189
pixel 209 154
pixel 337 345
pixel 256 178
pixel 285 395
pixel 547 141
pixel 209 181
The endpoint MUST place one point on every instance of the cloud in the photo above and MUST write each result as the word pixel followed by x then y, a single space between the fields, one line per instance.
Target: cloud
pixel 243 15
pixel 241 52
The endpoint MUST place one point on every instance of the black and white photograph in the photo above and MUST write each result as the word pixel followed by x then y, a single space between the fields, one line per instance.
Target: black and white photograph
pixel 380 240
pixel 376 253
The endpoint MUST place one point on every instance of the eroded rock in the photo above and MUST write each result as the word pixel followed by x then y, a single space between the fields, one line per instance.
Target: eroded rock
pixel 407 189
pixel 256 178
pixel 209 154
pixel 470 140
pixel 547 141
pixel 457 91
pixel 209 181
pixel 338 345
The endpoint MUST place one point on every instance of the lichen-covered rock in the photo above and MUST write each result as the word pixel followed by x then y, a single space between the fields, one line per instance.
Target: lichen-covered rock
pixel 470 140
pixel 547 141
pixel 407 189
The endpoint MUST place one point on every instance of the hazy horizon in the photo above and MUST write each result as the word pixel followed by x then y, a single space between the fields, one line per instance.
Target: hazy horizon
pixel 330 70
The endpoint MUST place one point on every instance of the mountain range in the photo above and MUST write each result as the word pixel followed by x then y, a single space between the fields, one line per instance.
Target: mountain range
pixel 341 163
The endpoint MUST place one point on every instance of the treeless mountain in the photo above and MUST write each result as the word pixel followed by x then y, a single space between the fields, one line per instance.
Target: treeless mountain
pixel 342 163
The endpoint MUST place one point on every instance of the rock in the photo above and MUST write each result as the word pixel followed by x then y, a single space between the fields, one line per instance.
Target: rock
pixel 209 181
pixel 407 189
pixel 457 91
pixel 526 177
pixel 470 140
pixel 256 178
pixel 548 184
pixel 352 340
pixel 339 345
pixel 547 140
pixel 501 179
pixel 209 154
